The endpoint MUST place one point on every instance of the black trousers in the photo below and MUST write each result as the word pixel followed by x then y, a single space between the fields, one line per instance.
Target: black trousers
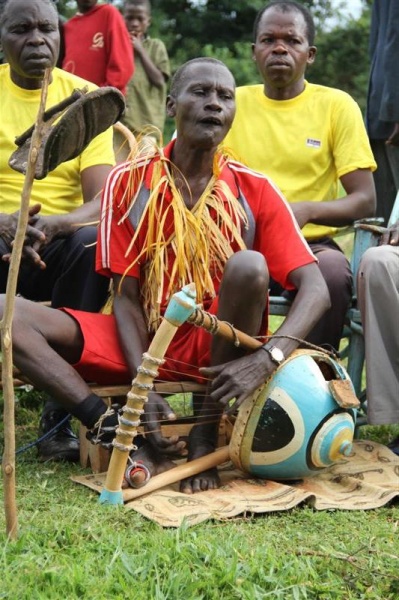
pixel 338 276
pixel 69 279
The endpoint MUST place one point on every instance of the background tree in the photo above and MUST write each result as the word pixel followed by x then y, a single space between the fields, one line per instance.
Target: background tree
pixel 66 8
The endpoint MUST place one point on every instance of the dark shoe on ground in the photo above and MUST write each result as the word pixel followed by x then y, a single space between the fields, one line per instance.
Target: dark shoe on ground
pixel 104 430
pixel 394 446
pixel 62 444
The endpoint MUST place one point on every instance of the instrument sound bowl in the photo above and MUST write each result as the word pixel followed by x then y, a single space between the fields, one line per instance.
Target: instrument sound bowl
pixel 296 424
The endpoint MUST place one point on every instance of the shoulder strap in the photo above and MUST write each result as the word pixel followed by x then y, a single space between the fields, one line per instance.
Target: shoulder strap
pixel 139 206
pixel 248 235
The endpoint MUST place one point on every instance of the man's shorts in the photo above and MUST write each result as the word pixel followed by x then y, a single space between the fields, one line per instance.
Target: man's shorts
pixel 102 359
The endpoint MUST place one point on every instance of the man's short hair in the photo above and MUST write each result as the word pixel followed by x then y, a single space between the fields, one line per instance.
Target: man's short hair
pixel 179 76
pixel 288 6
pixel 6 4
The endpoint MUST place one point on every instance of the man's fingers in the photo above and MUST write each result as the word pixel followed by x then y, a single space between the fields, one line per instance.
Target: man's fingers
pixel 211 372
pixel 34 209
pixel 168 445
pixel 29 254
pixel 232 408
pixel 35 234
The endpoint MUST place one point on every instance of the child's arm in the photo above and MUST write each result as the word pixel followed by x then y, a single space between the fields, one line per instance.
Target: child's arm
pixel 155 75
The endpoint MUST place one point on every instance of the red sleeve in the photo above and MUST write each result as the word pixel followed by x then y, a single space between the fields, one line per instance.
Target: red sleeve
pixel 115 233
pixel 120 59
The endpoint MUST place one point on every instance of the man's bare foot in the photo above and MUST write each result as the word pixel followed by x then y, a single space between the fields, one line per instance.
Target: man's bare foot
pixel 201 441
pixel 207 480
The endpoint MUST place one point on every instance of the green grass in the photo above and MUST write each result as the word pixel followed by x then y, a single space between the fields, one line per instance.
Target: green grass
pixel 71 547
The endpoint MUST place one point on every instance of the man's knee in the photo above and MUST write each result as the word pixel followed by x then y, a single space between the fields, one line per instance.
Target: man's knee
pixel 336 270
pixel 80 250
pixel 82 242
pixel 16 308
pixel 247 270
pixel 377 263
pixel 20 322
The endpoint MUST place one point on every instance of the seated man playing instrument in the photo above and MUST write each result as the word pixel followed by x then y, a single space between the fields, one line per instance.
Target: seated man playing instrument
pixel 185 213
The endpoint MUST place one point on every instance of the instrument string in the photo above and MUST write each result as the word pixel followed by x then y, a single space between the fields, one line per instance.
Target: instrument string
pixel 189 418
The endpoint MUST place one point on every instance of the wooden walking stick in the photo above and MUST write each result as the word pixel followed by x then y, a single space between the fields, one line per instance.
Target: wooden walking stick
pixel 8 463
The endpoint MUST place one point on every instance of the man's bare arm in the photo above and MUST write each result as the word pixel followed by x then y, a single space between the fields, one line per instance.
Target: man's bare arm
pixel 239 378
pixel 134 339
pixel 359 203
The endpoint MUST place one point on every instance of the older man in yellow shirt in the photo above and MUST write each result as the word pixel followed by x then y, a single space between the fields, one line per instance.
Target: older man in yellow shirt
pixel 58 258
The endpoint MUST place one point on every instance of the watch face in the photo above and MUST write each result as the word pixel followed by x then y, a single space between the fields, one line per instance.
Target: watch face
pixel 277 355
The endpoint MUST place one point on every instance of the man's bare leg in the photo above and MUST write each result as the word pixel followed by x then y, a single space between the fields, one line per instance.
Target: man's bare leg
pixel 242 302
pixel 46 342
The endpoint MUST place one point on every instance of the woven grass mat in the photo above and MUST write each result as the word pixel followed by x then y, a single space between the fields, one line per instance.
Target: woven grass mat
pixel 368 479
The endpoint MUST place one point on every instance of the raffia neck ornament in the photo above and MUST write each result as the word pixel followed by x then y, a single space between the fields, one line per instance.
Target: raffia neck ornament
pixel 202 238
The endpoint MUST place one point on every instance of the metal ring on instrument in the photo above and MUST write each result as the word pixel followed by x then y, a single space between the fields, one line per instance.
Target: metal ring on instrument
pixel 124 433
pixel 214 326
pixel 155 361
pixel 236 341
pixel 122 447
pixel 147 372
pixel 144 386
pixel 128 423
pixel 136 397
pixel 133 468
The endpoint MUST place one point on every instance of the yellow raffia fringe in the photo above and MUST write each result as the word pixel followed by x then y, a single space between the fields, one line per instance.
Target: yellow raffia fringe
pixel 201 243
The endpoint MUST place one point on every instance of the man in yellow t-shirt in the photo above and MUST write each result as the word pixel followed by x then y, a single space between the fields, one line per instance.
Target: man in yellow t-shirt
pixel 308 139
pixel 58 257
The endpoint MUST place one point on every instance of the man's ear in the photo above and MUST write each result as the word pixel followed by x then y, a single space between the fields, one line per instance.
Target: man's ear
pixel 170 106
pixel 311 55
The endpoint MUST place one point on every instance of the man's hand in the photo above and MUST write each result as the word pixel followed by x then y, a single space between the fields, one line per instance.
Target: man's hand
pixel 34 237
pixel 157 409
pixel 391 235
pixel 39 232
pixel 238 378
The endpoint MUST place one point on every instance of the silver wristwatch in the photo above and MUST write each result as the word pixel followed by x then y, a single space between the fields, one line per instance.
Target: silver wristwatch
pixel 275 354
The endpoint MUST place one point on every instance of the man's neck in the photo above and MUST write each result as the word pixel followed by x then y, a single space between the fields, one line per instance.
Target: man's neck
pixel 28 83
pixel 284 93
pixel 84 12
pixel 191 173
